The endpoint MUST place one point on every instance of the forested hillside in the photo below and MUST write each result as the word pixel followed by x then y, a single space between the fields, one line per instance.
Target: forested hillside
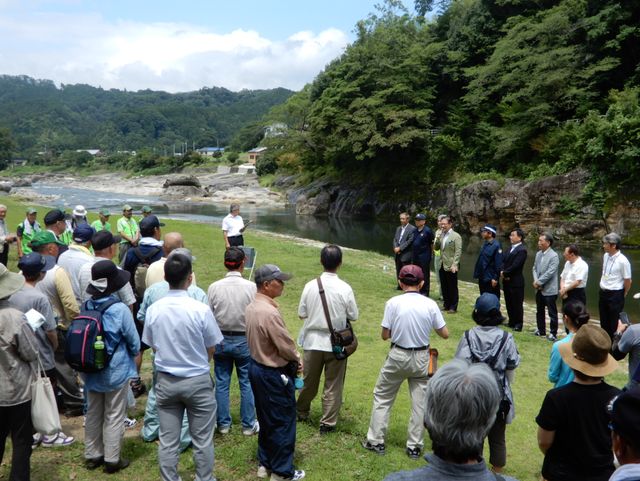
pixel 40 116
pixel 524 88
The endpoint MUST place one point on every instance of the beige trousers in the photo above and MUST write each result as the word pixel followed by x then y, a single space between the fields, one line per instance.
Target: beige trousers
pixel 399 366
pixel 334 371
pixel 104 428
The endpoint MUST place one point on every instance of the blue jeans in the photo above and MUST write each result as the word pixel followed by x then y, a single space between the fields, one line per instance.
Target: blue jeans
pixel 233 350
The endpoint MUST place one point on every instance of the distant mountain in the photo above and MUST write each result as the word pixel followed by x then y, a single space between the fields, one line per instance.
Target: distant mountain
pixel 42 116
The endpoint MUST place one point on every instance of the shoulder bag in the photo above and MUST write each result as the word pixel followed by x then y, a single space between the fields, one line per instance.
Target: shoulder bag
pixel 343 341
pixel 44 410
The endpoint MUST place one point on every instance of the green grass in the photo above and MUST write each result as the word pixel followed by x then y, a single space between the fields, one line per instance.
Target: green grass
pixel 337 456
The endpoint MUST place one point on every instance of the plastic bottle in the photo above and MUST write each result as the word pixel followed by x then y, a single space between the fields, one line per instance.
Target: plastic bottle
pixel 299 382
pixel 98 346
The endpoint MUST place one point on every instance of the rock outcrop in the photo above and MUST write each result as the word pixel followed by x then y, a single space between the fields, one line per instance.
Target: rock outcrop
pixel 555 203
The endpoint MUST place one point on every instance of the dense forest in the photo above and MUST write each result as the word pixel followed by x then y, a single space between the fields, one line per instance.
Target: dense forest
pixel 524 88
pixel 38 116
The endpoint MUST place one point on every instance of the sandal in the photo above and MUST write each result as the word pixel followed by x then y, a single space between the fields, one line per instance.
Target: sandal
pixel 56 440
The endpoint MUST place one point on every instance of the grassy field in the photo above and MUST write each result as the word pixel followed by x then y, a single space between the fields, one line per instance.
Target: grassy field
pixel 337 456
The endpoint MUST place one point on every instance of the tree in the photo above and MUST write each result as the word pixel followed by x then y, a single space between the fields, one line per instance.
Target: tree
pixel 6 148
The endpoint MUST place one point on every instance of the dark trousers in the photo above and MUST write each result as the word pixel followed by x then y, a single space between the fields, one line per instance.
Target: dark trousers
pixel 487 287
pixel 548 303
pixel 610 305
pixel 236 241
pixel 4 255
pixel 276 412
pixel 449 284
pixel 425 266
pixel 498 443
pixel 399 265
pixel 577 294
pixel 514 299
pixel 16 420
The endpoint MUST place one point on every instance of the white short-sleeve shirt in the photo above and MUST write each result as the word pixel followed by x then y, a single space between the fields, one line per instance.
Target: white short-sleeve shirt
pixel 232 225
pixel 411 317
pixel 578 271
pixel 615 269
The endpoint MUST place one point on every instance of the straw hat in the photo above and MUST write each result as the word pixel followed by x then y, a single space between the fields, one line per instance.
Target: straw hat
pixel 588 352
pixel 10 282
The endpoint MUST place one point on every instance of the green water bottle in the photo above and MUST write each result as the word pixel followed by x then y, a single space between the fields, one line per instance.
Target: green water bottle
pixel 98 347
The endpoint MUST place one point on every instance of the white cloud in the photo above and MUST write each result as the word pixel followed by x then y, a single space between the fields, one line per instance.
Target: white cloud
pixel 161 56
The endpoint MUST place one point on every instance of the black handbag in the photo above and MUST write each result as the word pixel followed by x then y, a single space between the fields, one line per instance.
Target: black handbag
pixel 343 341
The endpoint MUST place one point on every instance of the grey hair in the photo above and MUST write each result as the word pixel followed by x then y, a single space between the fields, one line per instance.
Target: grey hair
pixel 441 217
pixel 613 238
pixel 462 402
pixel 234 207
pixel 3 207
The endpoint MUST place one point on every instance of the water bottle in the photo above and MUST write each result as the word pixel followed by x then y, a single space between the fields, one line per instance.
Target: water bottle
pixel 98 346
pixel 299 382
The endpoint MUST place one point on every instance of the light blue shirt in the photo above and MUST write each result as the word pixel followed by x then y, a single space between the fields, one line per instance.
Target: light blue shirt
pixel 121 336
pixel 559 372
pixel 180 330
pixel 159 290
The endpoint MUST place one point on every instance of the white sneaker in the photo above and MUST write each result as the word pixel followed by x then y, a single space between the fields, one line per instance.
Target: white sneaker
pixel 57 440
pixel 37 439
pixel 224 429
pixel 252 430
pixel 130 423
pixel 297 475
pixel 263 472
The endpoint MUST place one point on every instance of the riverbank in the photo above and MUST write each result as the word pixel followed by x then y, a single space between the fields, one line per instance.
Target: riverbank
pixel 217 188
pixel 318 455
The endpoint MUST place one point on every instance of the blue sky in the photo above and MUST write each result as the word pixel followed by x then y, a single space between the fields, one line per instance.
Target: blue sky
pixel 176 45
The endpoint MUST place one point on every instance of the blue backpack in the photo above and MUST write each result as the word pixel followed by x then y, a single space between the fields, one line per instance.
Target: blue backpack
pixel 81 337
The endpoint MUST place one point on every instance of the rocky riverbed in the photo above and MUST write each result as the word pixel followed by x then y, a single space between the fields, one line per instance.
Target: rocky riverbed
pixel 223 188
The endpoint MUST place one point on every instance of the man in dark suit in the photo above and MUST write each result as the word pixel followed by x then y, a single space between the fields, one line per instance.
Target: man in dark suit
pixel 422 248
pixel 513 280
pixel 403 243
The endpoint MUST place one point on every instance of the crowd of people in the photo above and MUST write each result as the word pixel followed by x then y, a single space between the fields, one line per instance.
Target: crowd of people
pixel 140 283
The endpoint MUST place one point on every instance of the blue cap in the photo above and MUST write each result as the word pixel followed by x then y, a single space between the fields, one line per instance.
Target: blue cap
pixel 34 262
pixel 420 217
pixel 83 233
pixel 490 228
pixel 486 303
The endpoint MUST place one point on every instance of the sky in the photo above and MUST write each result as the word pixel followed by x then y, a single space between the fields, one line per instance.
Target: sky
pixel 178 45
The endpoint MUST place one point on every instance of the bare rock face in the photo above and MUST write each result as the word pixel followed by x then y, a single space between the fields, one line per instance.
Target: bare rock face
pixel 182 191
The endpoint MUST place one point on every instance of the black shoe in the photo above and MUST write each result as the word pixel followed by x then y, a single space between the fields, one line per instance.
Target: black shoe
pixel 93 463
pixel 517 328
pixel 414 453
pixel 539 334
pixel 326 429
pixel 111 468
pixel 376 448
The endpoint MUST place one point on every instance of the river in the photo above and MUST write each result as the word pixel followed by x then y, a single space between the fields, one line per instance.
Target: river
pixel 373 235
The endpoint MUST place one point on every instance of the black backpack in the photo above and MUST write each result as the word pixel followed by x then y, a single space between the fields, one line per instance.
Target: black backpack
pixel 81 337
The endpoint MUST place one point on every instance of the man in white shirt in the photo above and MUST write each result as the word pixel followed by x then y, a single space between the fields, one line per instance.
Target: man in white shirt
pixel 228 299
pixel 573 280
pixel 315 339
pixel 183 333
pixel 407 322
pixel 615 283
pixel 232 227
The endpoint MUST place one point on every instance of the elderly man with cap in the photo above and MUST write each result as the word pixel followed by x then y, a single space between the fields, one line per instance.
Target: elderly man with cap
pixel 29 299
pixel 461 402
pixel 76 256
pixel 408 321
pixel 54 222
pixel 489 263
pixel 183 334
pixel 272 370
pixel 102 223
pixel 422 249
pixel 129 232
pixel 151 427
pixel 107 389
pixel 573 431
pixel 228 299
pixel 624 414
pixel 26 230
pixel 18 349
pixel 146 211
pixel 615 282
pixel 6 237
